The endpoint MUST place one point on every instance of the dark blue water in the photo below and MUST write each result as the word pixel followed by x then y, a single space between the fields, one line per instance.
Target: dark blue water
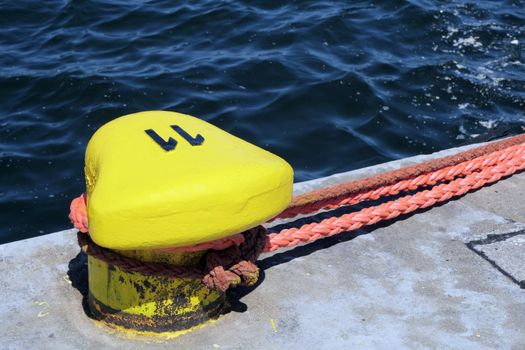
pixel 329 86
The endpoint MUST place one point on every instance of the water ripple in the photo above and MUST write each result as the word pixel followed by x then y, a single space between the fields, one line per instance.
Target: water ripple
pixel 330 86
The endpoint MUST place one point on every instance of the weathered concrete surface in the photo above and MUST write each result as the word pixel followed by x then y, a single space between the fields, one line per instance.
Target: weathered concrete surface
pixel 444 278
pixel 506 252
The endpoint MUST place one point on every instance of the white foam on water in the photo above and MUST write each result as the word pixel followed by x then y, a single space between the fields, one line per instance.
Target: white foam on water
pixel 450 31
pixel 470 41
pixel 489 124
pixel 513 63
pixel 464 134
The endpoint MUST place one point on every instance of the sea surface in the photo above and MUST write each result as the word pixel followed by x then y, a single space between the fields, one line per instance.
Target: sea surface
pixel 330 86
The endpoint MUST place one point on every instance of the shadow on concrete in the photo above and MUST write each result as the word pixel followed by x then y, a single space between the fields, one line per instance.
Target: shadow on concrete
pixel 324 243
pixel 236 294
pixel 78 275
pixel 490 239
pixel 307 249
pixel 78 266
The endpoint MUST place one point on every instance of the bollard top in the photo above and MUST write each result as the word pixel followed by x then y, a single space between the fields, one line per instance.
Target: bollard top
pixel 163 179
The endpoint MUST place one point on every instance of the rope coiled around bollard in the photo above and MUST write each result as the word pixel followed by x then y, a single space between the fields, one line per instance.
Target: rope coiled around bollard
pixel 233 263
pixel 222 269
pixel 236 265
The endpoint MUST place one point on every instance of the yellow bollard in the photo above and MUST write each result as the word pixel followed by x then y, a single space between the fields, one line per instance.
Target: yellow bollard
pixel 159 180
pixel 147 303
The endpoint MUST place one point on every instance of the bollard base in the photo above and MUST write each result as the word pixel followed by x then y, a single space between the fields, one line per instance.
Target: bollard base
pixel 148 303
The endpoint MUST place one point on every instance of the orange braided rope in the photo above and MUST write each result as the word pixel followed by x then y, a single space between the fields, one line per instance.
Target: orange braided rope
pixel 325 197
pixel 429 179
pixel 78 213
pixel 390 210
pixel 477 167
pixel 219 244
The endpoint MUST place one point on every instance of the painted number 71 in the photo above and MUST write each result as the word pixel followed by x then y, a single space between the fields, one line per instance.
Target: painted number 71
pixel 171 143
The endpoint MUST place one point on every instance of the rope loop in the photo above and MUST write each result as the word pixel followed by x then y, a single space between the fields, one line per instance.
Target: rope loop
pixel 222 268
pixel 78 213
pixel 231 261
pixel 236 265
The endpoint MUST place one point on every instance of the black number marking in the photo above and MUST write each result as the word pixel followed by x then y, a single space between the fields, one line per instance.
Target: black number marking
pixel 166 145
pixel 194 141
pixel 171 143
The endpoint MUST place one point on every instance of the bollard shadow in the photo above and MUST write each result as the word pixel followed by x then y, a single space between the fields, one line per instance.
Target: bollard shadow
pixel 77 271
pixel 78 275
pixel 304 250
pixel 236 294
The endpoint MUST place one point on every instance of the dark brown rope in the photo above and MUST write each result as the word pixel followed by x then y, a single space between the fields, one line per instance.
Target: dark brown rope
pixel 319 198
pixel 223 269
pixel 236 265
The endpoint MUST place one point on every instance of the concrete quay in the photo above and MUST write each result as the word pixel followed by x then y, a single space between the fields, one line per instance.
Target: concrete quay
pixel 450 277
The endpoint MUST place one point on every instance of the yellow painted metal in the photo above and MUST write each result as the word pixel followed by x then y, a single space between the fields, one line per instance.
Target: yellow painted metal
pixel 133 334
pixel 180 179
pixel 151 303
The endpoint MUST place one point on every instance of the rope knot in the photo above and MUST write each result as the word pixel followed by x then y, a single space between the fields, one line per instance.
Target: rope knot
pixel 236 265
